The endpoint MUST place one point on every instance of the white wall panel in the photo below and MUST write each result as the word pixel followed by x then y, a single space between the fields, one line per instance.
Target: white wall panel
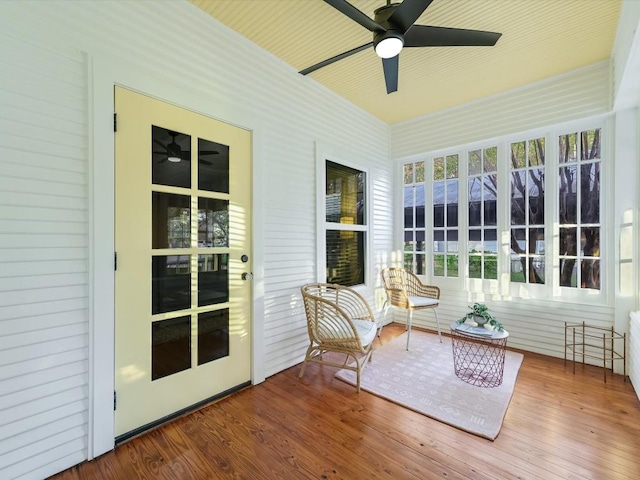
pixel 43 259
pixel 572 96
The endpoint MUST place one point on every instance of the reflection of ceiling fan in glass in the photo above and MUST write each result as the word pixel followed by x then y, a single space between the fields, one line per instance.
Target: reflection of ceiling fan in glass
pixel 173 152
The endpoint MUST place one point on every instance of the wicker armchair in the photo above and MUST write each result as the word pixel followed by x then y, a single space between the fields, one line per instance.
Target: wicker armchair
pixel 338 320
pixel 405 290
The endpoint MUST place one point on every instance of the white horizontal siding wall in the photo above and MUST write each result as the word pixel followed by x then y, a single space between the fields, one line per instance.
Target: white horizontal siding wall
pixel 579 94
pixel 43 259
pixel 173 51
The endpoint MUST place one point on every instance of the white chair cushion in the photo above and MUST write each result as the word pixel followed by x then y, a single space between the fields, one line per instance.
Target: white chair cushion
pixel 366 331
pixel 422 301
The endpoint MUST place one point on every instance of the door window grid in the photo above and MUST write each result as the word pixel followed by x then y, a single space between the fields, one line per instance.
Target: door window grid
pixel 414 217
pixel 527 214
pixel 579 157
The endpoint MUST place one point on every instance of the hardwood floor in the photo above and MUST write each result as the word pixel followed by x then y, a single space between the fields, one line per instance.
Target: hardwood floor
pixel 558 426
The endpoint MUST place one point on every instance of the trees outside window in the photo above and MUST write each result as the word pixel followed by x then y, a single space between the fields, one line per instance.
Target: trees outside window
pixel 527 238
pixel 445 216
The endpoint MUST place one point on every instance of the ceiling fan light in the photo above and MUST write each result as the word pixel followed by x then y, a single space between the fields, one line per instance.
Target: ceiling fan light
pixel 174 159
pixel 389 47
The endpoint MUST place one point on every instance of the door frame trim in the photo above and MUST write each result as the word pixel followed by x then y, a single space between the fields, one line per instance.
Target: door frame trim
pixel 104 73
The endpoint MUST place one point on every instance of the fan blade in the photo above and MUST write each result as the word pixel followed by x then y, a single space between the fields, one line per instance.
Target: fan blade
pixel 162 145
pixel 390 67
pixel 427 36
pixel 356 15
pixel 206 162
pixel 408 12
pixel 331 60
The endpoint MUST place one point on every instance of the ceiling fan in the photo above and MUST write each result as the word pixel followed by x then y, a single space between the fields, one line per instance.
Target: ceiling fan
pixel 393 29
pixel 174 154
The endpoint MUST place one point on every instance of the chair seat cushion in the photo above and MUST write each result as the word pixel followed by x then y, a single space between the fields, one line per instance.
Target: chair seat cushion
pixel 417 302
pixel 366 331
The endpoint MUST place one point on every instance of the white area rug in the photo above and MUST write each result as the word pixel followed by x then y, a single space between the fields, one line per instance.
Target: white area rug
pixel 423 380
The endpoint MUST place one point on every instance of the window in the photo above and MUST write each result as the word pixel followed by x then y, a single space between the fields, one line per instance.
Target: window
pixel 527 239
pixel 414 218
pixel 530 208
pixel 445 216
pixel 345 217
pixel 579 209
pixel 482 243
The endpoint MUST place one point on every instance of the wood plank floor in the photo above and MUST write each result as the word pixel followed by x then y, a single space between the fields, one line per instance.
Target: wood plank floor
pixel 558 426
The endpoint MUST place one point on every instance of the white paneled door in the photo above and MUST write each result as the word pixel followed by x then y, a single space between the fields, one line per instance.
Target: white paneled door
pixel 183 283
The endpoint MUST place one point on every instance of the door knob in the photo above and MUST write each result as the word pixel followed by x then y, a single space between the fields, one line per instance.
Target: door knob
pixel 247 276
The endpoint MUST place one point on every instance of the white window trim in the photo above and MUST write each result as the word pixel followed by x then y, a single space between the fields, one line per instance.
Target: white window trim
pixel 324 153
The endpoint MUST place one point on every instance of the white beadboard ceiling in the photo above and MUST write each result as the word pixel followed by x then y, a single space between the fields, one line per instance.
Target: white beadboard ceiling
pixel 540 39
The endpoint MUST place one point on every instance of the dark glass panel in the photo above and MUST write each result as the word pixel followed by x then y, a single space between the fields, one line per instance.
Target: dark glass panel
pixel 409 206
pixel 475 241
pixel 170 158
pixel 420 238
pixel 420 265
pixel 213 335
pixel 590 144
pixel 590 193
pixel 518 158
pixel 536 196
pixel 438 241
pixel 408 173
pixel 518 188
pixel 567 197
pixel 171 220
pixel 475 163
pixel 213 279
pixel 213 166
pixel 345 194
pixel 518 240
pixel 438 168
pixel 491 240
pixel 438 204
pixel 345 257
pixel 475 197
pixel 536 241
pixel 567 148
pixel 590 274
pixel 452 203
pixel 438 265
pixel 491 267
pixel 452 241
pixel 213 222
pixel 536 152
pixel 170 346
pixel 420 213
pixel 408 236
pixel 568 241
pixel 590 241
pixel 490 202
pixel 452 215
pixel 536 267
pixel 568 272
pixel 490 158
pixel 171 283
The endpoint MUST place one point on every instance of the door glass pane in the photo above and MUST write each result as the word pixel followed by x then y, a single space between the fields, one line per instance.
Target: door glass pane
pixel 213 222
pixel 213 279
pixel 170 287
pixel 170 158
pixel 213 166
pixel 171 221
pixel 170 346
pixel 213 335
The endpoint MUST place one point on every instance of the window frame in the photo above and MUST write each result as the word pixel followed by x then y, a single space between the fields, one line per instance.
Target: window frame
pixel 503 287
pixel 323 155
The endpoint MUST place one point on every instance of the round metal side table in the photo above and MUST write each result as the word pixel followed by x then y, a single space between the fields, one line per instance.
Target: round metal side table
pixel 478 357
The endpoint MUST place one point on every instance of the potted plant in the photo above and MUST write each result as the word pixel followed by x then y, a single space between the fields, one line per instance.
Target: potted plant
pixel 480 314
